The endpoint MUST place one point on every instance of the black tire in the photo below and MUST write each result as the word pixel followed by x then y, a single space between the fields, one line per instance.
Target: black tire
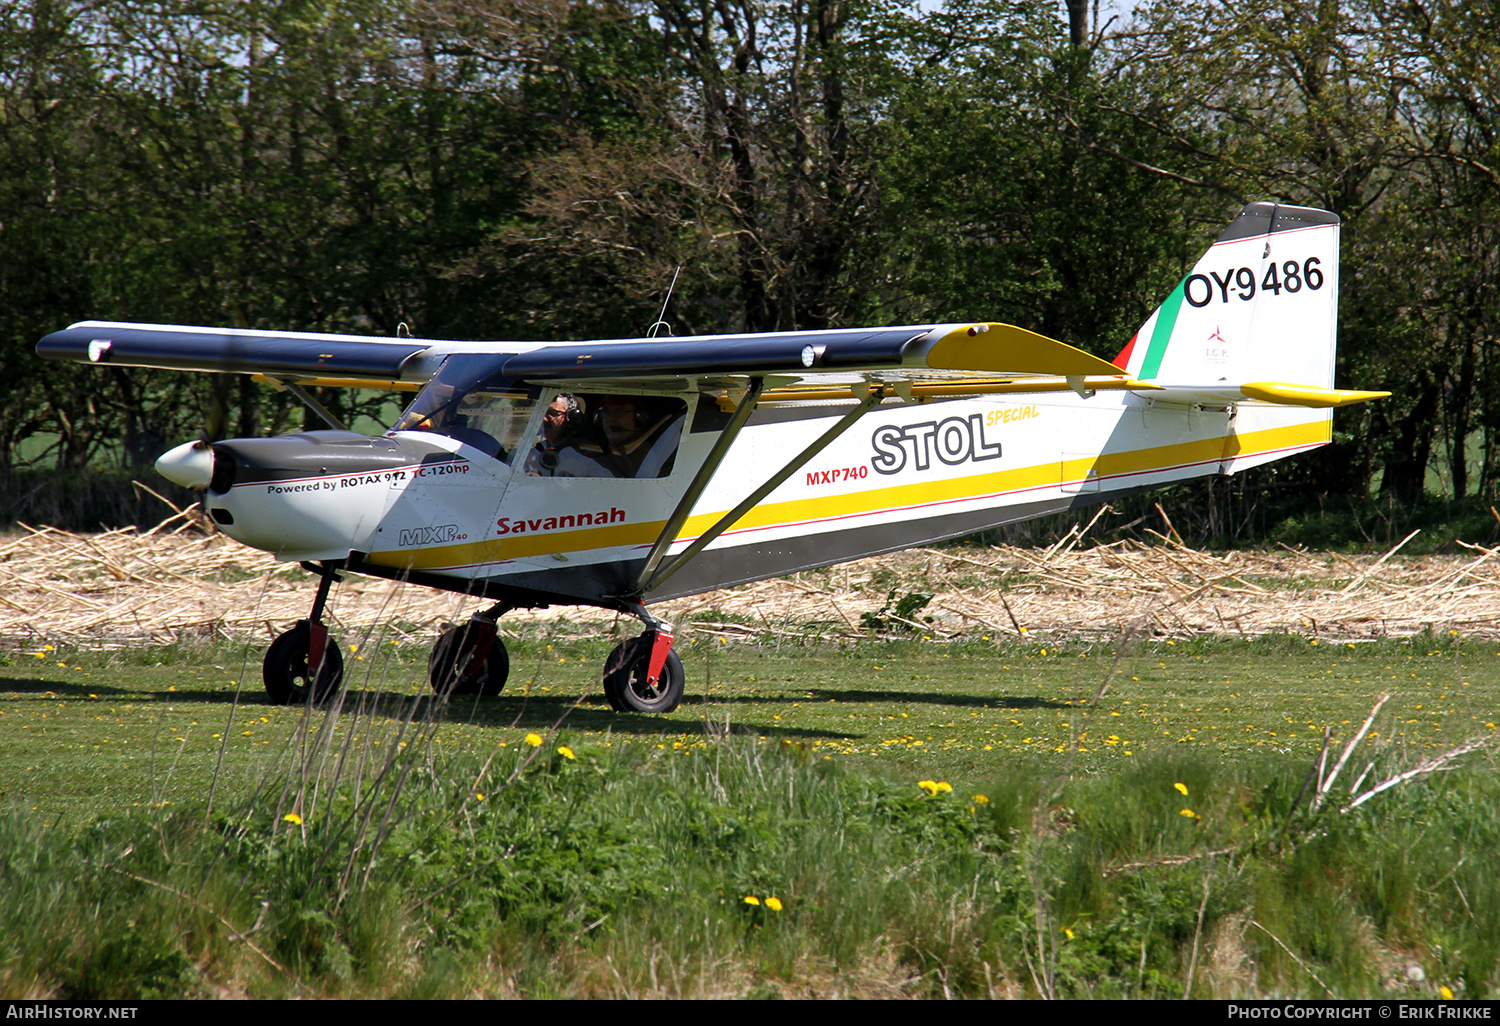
pixel 285 669
pixel 625 684
pixel 451 651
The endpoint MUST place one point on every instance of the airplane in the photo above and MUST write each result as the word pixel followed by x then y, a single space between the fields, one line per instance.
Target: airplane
pixel 617 473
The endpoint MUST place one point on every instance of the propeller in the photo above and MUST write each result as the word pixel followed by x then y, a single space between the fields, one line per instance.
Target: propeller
pixel 191 464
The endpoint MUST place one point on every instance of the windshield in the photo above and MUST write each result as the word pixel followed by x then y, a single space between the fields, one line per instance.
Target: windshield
pixel 469 400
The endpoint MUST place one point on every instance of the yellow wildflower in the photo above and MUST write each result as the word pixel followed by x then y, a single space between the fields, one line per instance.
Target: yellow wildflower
pixel 1447 994
pixel 751 899
pixel 773 903
pixel 292 817
pixel 534 740
pixel 980 799
pixel 1189 813
pixel 1181 788
pixel 565 752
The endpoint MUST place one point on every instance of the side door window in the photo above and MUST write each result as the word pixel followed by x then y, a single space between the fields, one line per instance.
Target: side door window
pixel 608 435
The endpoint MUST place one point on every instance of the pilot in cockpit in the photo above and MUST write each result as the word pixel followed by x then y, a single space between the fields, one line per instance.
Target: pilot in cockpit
pixel 561 422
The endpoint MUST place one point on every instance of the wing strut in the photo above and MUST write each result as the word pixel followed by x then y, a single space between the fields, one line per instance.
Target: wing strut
pixel 311 403
pixel 700 480
pixel 873 398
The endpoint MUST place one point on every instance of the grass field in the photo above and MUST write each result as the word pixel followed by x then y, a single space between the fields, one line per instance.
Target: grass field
pixel 88 730
pixel 1150 837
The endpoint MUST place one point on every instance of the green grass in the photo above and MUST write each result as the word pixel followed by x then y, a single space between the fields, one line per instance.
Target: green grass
pixel 439 854
pixel 112 729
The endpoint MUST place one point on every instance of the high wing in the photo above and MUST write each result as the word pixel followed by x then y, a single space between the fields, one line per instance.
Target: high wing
pixel 910 352
pixel 922 362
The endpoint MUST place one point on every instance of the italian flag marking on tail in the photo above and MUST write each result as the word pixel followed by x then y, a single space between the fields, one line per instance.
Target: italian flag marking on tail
pixel 1161 333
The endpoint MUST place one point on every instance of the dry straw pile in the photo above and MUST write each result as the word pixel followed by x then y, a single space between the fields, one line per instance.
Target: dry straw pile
pixel 129 587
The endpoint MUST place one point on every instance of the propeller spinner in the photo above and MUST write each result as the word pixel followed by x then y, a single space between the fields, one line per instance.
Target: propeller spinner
pixel 190 465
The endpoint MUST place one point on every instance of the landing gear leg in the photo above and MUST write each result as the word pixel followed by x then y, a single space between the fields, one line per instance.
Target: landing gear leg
pixel 304 663
pixel 471 660
pixel 644 674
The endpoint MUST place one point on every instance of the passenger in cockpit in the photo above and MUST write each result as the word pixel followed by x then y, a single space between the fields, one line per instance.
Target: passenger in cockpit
pixel 635 436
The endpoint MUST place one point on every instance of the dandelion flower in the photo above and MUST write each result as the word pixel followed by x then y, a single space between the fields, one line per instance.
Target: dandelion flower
pixel 773 903
pixel 980 799
pixel 293 818
pixel 1181 788
pixel 930 786
pixel 1189 813
pixel 751 899
pixel 565 752
pixel 1067 933
pixel 1446 993
pixel 534 740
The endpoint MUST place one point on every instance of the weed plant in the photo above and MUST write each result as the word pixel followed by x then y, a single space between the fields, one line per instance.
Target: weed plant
pixel 623 873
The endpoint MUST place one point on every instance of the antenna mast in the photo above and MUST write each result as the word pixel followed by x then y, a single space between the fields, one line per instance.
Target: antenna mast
pixel 660 323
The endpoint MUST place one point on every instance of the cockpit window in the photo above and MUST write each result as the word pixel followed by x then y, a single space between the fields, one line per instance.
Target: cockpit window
pixel 469 400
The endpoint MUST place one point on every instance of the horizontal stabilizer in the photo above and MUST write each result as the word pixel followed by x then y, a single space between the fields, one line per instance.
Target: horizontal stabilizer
pixel 1279 393
pixel 1284 394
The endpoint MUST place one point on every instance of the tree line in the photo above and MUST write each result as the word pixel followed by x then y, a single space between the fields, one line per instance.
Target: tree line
pixel 540 169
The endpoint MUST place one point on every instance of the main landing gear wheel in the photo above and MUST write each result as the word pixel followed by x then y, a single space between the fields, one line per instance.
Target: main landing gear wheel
pixel 286 673
pixel 451 666
pixel 625 673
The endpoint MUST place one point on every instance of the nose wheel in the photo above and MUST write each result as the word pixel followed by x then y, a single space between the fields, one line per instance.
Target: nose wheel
pixel 305 662
pixel 293 673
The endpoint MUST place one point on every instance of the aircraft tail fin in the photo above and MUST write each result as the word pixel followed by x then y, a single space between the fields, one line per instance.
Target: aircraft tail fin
pixel 1259 308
